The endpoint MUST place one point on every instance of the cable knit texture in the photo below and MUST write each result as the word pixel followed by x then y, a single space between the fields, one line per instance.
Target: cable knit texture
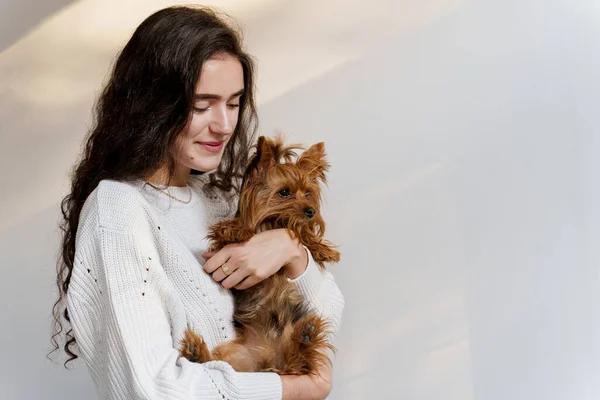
pixel 138 282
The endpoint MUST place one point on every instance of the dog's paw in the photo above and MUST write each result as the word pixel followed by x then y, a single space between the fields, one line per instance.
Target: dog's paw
pixel 309 329
pixel 243 235
pixel 325 254
pixel 226 232
pixel 193 347
pixel 307 332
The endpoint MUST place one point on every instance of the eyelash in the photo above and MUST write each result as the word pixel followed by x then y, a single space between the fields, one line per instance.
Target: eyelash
pixel 201 110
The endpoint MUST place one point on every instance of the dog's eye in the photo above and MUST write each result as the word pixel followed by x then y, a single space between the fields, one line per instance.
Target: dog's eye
pixel 307 194
pixel 284 193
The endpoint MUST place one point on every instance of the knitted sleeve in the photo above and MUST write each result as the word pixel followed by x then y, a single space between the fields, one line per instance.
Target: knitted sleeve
pixel 119 301
pixel 320 290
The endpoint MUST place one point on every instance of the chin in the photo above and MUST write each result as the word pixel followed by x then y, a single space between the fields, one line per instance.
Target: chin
pixel 206 166
pixel 204 161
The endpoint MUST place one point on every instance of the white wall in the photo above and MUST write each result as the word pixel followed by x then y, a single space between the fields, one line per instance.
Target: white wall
pixel 465 194
pixel 463 190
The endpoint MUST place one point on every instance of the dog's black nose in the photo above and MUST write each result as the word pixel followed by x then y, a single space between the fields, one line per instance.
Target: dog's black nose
pixel 309 212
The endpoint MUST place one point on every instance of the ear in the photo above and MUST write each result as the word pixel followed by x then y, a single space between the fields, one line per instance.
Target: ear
pixel 265 152
pixel 261 160
pixel 314 161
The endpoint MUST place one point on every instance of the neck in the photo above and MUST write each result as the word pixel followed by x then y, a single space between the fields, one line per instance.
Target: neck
pixel 161 176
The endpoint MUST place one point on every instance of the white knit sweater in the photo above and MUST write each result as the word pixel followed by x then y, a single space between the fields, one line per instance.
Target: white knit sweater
pixel 138 282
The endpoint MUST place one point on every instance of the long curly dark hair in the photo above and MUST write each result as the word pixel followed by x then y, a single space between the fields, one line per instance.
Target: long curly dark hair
pixel 146 103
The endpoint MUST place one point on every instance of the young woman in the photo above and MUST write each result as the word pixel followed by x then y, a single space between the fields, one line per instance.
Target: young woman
pixel 162 163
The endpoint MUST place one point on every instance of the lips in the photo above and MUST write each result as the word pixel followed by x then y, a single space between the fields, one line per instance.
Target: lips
pixel 213 147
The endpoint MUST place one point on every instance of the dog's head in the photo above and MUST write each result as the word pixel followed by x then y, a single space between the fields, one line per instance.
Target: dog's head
pixel 283 190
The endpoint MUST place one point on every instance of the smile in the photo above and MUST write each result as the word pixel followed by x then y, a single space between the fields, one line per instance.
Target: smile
pixel 213 147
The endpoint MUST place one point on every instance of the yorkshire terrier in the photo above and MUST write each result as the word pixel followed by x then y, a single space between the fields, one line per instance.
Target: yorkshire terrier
pixel 276 330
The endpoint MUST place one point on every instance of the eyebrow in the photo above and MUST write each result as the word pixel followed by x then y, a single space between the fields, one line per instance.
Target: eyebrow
pixel 209 96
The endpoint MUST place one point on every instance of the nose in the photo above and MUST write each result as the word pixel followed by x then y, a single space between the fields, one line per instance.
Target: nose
pixel 223 122
pixel 309 212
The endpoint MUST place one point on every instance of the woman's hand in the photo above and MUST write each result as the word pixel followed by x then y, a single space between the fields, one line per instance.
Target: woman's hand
pixel 307 387
pixel 250 262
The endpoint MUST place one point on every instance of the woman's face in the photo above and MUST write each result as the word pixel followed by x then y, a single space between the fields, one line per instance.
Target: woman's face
pixel 201 144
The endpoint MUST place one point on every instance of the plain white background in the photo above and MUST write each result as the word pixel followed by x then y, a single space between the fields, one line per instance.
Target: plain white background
pixel 463 138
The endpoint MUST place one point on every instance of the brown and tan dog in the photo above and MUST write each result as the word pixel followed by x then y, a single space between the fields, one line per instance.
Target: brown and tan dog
pixel 276 330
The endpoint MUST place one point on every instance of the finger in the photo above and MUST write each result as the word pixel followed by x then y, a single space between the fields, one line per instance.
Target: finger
pixel 218 259
pixel 219 274
pixel 234 279
pixel 208 254
pixel 248 282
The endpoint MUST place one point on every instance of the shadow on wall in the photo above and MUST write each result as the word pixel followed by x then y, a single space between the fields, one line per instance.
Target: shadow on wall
pixel 418 340
pixel 27 291
pixel 54 74
pixel 19 17
pixel 408 333
pixel 461 187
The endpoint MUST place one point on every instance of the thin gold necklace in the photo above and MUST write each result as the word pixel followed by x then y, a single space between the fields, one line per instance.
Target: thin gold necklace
pixel 163 191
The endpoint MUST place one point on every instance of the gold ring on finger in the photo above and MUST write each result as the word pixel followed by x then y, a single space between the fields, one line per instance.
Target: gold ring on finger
pixel 226 269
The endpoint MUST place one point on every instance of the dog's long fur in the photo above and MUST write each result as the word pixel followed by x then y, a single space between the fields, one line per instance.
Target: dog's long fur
pixel 276 330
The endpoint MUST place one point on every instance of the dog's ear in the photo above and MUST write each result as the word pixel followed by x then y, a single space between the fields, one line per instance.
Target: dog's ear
pixel 314 161
pixel 262 158
pixel 266 152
